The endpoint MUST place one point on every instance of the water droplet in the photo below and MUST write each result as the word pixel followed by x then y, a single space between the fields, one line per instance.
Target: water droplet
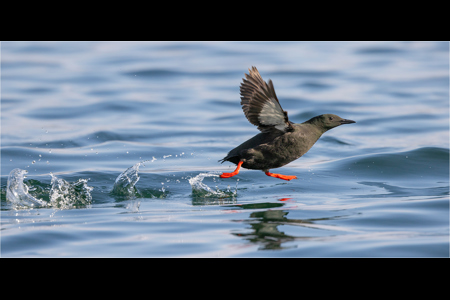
pixel 33 162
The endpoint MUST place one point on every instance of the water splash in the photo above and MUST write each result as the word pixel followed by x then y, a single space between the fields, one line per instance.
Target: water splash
pixel 62 194
pixel 126 181
pixel 200 189
pixel 17 191
pixel 67 195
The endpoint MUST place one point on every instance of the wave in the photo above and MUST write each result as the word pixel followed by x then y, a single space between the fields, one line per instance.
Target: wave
pixel 156 73
pixel 421 163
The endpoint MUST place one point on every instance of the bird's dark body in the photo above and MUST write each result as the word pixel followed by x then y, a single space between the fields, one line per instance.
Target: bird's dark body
pixel 274 149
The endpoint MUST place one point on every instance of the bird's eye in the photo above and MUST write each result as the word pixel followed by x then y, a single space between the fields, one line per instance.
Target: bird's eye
pixel 331 118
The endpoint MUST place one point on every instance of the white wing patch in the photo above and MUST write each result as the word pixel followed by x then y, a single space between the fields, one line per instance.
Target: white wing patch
pixel 272 114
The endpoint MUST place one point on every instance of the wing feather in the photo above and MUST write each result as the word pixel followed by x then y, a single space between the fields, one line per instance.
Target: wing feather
pixel 260 104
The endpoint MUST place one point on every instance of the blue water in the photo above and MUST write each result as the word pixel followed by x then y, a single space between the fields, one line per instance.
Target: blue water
pixel 157 116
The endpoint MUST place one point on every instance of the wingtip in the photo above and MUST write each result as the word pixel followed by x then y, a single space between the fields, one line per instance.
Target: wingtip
pixel 252 70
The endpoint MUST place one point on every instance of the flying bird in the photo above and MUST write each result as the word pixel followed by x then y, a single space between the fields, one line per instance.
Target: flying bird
pixel 280 141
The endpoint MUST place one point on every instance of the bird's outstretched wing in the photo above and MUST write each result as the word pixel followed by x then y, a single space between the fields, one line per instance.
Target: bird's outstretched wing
pixel 260 104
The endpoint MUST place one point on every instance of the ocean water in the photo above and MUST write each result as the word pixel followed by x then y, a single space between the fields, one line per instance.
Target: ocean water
pixel 111 149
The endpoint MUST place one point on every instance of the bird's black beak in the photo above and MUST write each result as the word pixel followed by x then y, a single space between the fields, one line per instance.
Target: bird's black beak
pixel 346 121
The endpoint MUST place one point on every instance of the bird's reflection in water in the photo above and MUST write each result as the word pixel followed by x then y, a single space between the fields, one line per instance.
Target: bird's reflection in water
pixel 266 226
pixel 213 201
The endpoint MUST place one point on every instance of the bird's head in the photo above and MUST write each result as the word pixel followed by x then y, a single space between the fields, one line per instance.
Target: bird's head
pixel 328 121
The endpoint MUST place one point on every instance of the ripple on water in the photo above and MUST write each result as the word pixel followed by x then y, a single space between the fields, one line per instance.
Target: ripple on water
pixel 427 163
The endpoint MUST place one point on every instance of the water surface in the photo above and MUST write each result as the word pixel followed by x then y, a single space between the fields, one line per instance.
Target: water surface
pixel 120 142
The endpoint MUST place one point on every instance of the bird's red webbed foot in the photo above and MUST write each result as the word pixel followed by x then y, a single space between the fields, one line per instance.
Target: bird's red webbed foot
pixel 284 177
pixel 235 172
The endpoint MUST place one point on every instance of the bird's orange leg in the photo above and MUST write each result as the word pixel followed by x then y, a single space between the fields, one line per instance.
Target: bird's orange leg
pixel 235 172
pixel 284 177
